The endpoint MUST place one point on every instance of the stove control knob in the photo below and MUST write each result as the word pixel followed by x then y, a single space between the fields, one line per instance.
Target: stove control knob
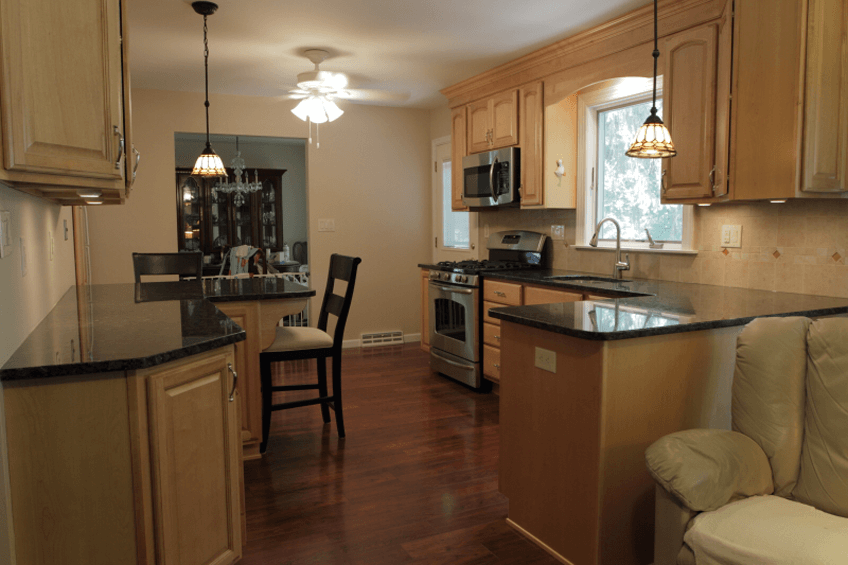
pixel 446 276
pixel 461 279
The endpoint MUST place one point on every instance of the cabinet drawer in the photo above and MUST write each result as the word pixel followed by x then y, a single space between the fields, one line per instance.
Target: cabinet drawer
pixel 492 362
pixel 492 335
pixel 540 295
pixel 502 292
pixel 486 307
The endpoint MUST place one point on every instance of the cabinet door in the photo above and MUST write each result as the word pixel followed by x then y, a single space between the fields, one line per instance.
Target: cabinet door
pixel 826 99
pixel 62 88
pixel 504 119
pixel 458 127
pixel 479 126
pixel 531 112
pixel 195 458
pixel 537 295
pixel 689 95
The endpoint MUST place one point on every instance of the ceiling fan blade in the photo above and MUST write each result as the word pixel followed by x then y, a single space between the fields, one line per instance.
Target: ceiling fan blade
pixel 364 95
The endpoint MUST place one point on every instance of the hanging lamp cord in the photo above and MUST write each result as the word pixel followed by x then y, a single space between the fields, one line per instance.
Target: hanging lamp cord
pixel 656 56
pixel 206 71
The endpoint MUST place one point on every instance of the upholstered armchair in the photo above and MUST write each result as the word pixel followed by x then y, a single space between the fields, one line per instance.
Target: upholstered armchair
pixel 775 488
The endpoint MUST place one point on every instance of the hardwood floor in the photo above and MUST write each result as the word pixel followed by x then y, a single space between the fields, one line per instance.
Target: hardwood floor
pixel 415 480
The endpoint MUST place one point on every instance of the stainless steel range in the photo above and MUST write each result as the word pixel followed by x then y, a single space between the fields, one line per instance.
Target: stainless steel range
pixel 456 307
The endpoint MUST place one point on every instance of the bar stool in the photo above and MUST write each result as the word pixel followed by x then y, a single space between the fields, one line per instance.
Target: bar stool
pixel 308 343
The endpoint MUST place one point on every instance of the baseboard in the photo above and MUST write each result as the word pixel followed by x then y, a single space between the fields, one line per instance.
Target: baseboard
pixel 352 343
pixel 538 542
pixel 409 338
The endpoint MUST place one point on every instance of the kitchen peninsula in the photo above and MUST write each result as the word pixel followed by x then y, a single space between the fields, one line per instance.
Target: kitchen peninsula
pixel 586 386
pixel 122 425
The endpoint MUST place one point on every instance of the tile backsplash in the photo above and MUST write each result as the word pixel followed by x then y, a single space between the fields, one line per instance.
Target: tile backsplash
pixel 798 246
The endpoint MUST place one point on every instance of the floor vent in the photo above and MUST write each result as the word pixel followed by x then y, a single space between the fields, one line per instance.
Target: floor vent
pixel 384 338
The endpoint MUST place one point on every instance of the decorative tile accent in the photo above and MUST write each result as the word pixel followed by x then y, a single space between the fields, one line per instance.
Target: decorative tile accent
pixel 776 254
pixel 725 251
pixel 836 256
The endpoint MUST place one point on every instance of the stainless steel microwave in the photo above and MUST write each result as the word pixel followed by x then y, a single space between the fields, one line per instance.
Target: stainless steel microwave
pixel 491 179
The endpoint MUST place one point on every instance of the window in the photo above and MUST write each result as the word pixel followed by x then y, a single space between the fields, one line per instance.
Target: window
pixel 618 186
pixel 455 226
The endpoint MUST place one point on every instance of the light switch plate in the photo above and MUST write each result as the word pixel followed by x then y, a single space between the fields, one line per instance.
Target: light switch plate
pixel 557 233
pixel 546 359
pixel 731 236
pixel 326 225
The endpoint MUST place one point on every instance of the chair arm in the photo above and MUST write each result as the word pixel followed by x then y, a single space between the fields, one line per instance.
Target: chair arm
pixel 706 469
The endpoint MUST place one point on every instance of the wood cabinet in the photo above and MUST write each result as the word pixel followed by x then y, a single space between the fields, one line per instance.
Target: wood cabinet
pixel 531 117
pixel 458 151
pixel 545 295
pixel 139 467
pixel 425 310
pixel 66 128
pixel 493 122
pixel 825 152
pixel 208 219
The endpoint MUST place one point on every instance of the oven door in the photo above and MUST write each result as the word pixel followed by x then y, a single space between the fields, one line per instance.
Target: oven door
pixel 453 320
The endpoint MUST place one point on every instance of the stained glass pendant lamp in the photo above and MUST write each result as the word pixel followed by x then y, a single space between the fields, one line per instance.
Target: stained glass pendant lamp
pixel 208 164
pixel 653 139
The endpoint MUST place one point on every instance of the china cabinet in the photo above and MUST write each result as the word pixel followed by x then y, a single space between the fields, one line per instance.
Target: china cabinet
pixel 208 219
pixel 66 128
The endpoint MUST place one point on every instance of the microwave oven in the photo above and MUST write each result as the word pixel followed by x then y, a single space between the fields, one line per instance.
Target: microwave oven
pixel 492 178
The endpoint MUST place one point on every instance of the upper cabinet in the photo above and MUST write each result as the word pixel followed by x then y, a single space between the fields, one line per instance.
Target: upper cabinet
pixel 458 129
pixel 66 126
pixel 493 122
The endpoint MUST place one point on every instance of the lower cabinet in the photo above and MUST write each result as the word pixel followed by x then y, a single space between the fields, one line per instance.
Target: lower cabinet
pixel 137 467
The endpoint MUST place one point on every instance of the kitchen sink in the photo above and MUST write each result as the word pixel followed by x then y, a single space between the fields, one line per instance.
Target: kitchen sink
pixel 590 278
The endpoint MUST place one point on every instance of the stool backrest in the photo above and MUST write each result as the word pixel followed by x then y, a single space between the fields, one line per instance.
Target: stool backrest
pixel 342 268
pixel 185 264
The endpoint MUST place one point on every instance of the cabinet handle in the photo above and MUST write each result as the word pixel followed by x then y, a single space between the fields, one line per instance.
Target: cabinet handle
pixel 496 365
pixel 120 148
pixel 663 183
pixel 135 167
pixel 235 382
pixel 712 179
pixel 499 293
pixel 497 337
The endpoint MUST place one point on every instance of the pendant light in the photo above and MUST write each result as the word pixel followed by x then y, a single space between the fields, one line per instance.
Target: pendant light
pixel 208 164
pixel 653 139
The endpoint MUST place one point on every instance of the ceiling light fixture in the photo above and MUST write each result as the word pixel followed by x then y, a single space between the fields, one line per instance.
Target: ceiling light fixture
pixel 208 164
pixel 653 139
pixel 318 88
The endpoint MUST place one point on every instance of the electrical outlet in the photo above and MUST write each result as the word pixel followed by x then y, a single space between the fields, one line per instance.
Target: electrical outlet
pixel 558 233
pixel 731 236
pixel 546 360
pixel 326 225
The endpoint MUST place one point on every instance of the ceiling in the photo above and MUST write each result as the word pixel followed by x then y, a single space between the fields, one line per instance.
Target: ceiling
pixel 407 48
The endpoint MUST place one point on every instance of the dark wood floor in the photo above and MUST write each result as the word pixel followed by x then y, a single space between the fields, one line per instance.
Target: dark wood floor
pixel 415 480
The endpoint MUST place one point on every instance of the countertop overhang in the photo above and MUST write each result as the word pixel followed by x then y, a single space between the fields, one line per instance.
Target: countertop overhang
pixel 121 327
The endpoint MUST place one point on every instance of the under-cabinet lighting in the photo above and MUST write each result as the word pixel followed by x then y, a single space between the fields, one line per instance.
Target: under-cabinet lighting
pixel 777 201
pixel 704 205
pixel 92 202
pixel 94 194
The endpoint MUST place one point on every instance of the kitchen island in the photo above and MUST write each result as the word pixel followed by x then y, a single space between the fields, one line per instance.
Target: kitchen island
pixel 122 431
pixel 586 386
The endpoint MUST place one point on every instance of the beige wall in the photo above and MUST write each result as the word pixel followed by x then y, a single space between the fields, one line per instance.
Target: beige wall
pixel 440 122
pixel 371 175
pixel 799 246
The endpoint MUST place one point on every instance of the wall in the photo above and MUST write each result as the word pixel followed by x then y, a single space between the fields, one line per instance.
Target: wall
pixel 799 246
pixel 371 175
pixel 260 153
pixel 24 301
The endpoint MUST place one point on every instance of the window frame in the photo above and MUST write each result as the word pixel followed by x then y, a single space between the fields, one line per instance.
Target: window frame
pixel 622 92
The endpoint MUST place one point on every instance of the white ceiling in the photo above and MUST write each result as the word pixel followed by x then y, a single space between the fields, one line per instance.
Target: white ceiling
pixel 414 48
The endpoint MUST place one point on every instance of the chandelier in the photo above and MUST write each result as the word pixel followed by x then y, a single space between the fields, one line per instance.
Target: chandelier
pixel 240 187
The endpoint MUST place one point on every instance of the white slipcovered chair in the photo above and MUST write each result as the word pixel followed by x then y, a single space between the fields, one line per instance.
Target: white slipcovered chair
pixel 773 490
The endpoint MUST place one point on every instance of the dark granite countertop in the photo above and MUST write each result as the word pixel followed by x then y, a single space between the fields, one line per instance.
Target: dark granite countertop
pixel 120 327
pixel 650 307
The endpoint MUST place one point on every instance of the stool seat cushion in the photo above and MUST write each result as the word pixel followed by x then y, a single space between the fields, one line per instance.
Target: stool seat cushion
pixel 298 339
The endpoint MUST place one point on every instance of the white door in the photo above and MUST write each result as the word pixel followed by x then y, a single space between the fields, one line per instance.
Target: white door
pixel 454 233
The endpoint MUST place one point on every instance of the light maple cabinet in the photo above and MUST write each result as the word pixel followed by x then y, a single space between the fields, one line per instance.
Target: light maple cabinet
pixel 458 151
pixel 493 122
pixel 825 151
pixel 141 467
pixel 66 128
pixel 531 110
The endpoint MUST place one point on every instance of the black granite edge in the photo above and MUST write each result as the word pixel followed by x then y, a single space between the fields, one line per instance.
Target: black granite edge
pixel 527 277
pixel 647 332
pixel 427 266
pixel 308 293
pixel 117 365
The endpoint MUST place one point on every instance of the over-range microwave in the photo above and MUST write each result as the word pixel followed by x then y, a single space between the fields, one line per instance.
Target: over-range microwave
pixel 492 178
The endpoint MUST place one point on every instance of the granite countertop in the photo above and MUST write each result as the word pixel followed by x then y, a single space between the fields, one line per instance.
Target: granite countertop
pixel 649 307
pixel 120 327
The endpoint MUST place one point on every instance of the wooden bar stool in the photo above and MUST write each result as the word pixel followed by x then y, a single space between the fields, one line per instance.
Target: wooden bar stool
pixel 308 343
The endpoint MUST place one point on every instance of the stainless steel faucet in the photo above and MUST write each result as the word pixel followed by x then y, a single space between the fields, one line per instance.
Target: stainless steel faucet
pixel 619 265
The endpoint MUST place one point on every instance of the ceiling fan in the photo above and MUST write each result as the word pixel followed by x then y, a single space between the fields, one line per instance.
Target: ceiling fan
pixel 317 90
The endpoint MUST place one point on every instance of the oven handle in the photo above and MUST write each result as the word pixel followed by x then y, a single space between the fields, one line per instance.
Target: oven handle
pixel 448 361
pixel 453 290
